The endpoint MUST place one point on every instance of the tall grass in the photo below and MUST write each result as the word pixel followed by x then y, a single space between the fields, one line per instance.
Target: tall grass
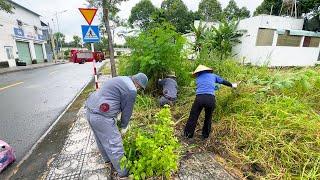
pixel 270 126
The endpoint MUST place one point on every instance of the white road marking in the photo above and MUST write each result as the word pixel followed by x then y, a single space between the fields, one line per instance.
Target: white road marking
pixel 9 86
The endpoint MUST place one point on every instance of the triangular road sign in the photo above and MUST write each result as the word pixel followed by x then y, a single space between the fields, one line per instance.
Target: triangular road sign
pixel 88 14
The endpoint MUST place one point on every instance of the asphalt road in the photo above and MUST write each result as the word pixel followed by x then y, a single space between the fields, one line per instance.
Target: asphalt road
pixel 30 101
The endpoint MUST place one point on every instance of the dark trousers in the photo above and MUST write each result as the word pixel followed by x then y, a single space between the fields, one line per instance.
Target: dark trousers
pixel 208 102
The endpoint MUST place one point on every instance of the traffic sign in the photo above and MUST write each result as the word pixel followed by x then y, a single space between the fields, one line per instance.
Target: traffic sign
pixel 90 34
pixel 88 14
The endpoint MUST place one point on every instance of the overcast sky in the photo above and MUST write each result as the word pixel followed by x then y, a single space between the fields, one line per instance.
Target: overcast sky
pixel 70 21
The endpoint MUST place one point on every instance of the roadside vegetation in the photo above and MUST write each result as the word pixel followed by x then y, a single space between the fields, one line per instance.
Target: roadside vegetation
pixel 269 127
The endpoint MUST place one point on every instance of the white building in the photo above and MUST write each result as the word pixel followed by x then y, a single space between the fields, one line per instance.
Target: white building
pixel 21 37
pixel 277 41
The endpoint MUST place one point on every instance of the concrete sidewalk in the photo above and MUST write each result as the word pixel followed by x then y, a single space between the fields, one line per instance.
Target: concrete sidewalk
pixel 29 67
pixel 80 158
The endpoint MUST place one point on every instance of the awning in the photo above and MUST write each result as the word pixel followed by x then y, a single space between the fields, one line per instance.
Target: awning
pixel 304 33
pixel 299 33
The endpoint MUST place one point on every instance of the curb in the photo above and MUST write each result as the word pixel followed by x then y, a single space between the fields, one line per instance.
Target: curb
pixel 16 168
pixel 32 68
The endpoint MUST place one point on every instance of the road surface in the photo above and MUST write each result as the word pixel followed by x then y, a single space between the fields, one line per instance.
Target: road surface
pixel 30 101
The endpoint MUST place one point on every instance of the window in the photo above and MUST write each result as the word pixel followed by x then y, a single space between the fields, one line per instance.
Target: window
pixel 9 52
pixel 311 41
pixel 287 40
pixel 265 37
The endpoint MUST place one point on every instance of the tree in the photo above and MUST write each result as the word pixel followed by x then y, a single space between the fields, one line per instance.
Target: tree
pixel 5 6
pixel 76 41
pixel 309 6
pixel 232 11
pixel 221 39
pixel 60 38
pixel 269 7
pixel 109 8
pixel 141 14
pixel 304 6
pixel 243 13
pixel 156 52
pixel 176 12
pixel 210 10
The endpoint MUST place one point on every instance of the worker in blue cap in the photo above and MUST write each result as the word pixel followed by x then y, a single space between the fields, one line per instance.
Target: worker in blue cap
pixel 116 95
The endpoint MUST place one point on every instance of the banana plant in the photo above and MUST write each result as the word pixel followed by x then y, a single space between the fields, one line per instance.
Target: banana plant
pixel 221 39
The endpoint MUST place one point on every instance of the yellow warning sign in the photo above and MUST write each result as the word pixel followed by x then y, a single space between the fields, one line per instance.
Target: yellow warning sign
pixel 88 14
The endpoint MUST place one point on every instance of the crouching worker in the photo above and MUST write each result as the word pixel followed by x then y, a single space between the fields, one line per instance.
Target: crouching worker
pixel 169 90
pixel 205 98
pixel 116 95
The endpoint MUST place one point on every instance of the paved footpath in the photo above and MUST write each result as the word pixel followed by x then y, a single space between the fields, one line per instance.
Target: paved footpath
pixel 80 159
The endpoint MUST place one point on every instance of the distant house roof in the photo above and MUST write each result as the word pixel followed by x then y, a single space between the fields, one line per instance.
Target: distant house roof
pixel 16 4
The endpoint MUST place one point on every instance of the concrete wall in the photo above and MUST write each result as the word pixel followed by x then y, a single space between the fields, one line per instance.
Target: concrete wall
pixel 6 38
pixel 277 22
pixel 273 55
pixel 282 56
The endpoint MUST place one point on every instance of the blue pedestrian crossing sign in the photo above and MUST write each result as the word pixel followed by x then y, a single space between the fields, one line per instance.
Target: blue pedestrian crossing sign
pixel 90 34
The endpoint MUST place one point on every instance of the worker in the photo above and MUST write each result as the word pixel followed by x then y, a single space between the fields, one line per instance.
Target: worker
pixel 117 95
pixel 205 98
pixel 169 89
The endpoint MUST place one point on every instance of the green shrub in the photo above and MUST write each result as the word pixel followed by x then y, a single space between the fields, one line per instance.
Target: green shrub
pixel 156 52
pixel 152 150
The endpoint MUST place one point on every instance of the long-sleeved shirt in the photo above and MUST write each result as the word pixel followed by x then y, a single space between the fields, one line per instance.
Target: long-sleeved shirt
pixel 169 86
pixel 120 95
pixel 206 83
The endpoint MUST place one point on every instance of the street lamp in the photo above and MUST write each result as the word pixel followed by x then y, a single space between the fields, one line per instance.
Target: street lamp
pixel 59 30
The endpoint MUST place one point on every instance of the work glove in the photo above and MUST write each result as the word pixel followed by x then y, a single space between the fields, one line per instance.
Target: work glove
pixel 123 131
pixel 234 85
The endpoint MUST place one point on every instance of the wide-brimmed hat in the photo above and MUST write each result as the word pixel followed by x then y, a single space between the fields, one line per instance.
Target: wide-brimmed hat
pixel 172 74
pixel 201 68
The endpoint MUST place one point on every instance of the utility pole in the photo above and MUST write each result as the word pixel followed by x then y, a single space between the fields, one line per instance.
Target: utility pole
pixel 59 38
pixel 52 43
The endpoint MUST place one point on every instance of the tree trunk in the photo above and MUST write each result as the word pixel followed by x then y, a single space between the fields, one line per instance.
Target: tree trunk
pixel 111 51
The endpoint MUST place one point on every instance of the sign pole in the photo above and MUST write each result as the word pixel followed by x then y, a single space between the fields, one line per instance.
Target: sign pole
pixel 94 68
pixel 92 47
pixel 90 34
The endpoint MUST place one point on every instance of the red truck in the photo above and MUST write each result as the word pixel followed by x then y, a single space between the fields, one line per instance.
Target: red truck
pixel 82 56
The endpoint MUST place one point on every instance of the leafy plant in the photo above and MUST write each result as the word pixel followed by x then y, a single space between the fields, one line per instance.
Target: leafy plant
pixel 152 150
pixel 155 52
pixel 221 39
pixel 199 33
